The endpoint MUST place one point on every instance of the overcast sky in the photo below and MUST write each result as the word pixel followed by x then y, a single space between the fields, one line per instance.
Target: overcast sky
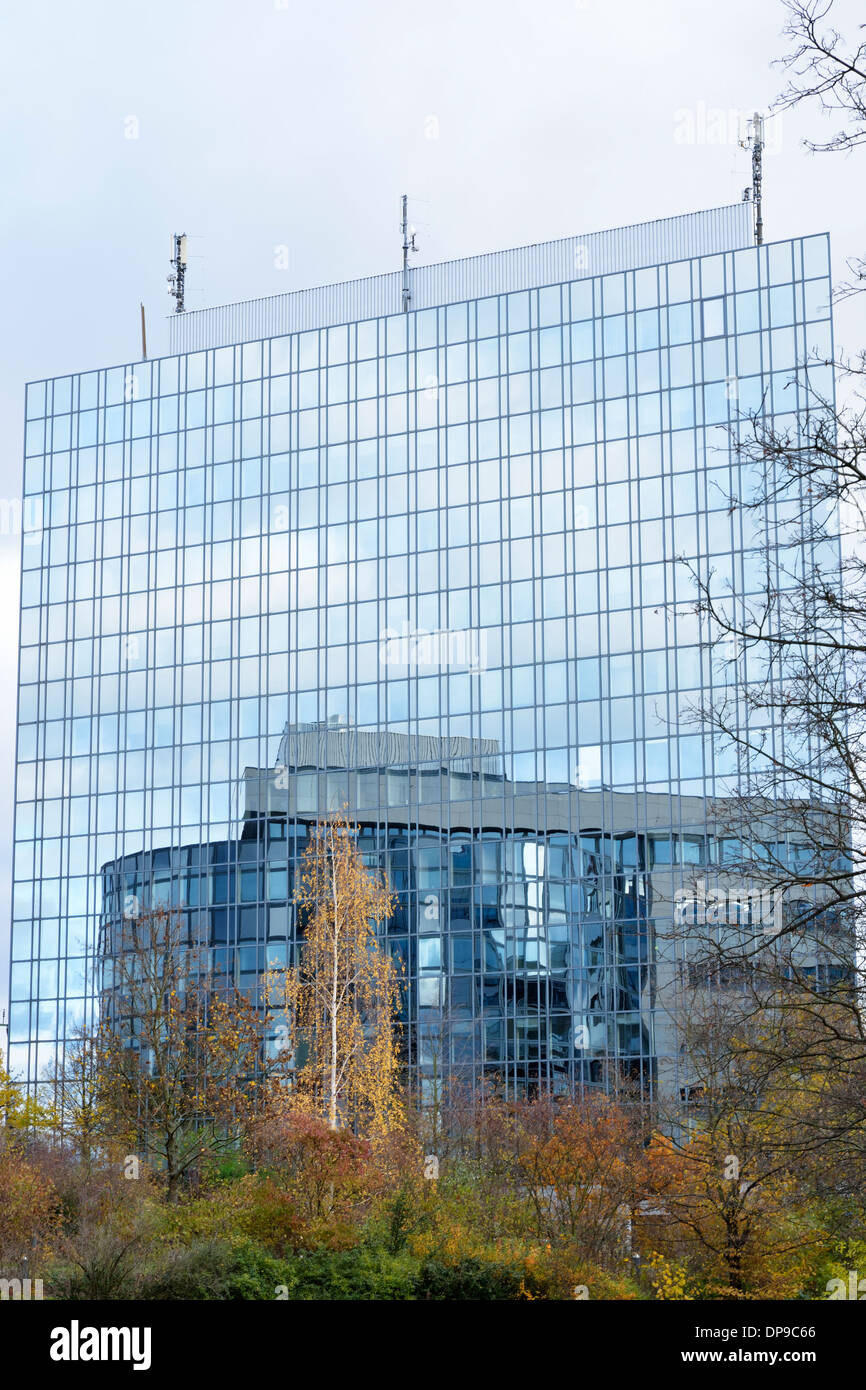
pixel 256 125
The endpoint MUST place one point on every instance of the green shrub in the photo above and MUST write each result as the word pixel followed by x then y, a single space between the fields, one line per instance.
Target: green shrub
pixel 220 1270
pixel 198 1271
pixel 556 1274
pixel 214 1270
pixel 254 1274
pixel 833 1261
pixel 350 1275
pixel 468 1278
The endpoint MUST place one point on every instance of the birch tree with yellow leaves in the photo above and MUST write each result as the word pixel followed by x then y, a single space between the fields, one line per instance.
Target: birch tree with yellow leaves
pixel 343 996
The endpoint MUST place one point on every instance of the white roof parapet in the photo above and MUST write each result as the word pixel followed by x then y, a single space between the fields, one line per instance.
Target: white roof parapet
pixel 450 282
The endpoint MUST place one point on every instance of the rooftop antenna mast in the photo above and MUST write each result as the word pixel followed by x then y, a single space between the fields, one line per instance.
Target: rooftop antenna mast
pixel 754 141
pixel 178 263
pixel 408 245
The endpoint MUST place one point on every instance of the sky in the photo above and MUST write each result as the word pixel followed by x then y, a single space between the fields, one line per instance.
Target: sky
pixel 280 135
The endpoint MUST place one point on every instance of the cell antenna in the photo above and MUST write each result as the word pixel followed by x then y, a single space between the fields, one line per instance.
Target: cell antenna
pixel 754 141
pixel 408 245
pixel 178 263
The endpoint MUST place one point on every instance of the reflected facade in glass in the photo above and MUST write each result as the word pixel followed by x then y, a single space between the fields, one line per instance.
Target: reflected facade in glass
pixel 423 564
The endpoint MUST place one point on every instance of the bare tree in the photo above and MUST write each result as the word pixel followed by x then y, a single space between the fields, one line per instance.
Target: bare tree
pixel 826 67
pixel 746 1154
pixel 829 68
pixel 788 709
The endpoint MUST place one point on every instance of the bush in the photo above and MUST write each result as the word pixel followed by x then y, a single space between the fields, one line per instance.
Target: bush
pixel 214 1270
pixel 222 1271
pixel 350 1275
pixel 553 1273
pixel 96 1263
pixel 563 1272
pixel 468 1278
pixel 327 1173
pixel 833 1260
pixel 270 1218
pixel 30 1208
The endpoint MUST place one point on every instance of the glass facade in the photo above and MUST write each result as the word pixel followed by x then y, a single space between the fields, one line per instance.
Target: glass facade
pixel 424 565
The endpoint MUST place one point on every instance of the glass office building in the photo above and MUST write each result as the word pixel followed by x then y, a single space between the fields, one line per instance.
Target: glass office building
pixel 424 564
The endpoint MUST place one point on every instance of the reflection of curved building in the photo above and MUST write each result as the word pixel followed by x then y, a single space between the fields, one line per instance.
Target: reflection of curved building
pixel 534 941
pixel 535 920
